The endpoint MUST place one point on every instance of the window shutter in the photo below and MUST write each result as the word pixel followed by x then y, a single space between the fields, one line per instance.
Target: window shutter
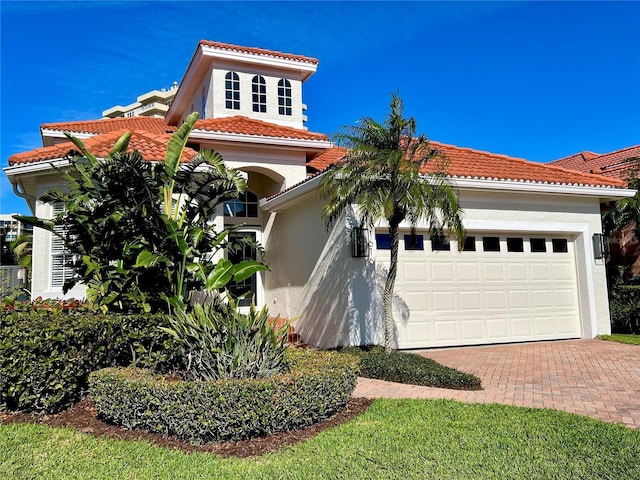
pixel 60 258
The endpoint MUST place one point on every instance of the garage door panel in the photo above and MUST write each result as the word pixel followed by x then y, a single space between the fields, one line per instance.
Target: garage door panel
pixel 542 298
pixel 470 298
pixel 472 329
pixel 493 272
pixel 497 328
pixel 470 301
pixel 564 298
pixel 468 272
pixel 417 301
pixel 518 299
pixel 563 271
pixel 446 331
pixel 516 272
pixel 444 301
pixel 414 271
pixel 540 272
pixel 495 300
pixel 442 272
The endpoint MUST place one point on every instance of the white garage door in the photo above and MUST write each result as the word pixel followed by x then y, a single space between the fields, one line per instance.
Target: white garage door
pixel 500 288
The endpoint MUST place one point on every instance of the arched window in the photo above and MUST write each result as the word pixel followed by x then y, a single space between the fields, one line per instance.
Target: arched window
pixel 245 206
pixel 203 108
pixel 259 94
pixel 284 97
pixel 232 90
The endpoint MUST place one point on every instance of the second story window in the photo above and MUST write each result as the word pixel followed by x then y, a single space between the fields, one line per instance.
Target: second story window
pixel 284 97
pixel 259 94
pixel 203 109
pixel 245 206
pixel 232 90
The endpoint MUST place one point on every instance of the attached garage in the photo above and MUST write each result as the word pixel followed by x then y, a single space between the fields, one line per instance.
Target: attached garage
pixel 502 287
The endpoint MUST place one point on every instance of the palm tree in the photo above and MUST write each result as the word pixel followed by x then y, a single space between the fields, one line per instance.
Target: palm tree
pixel 383 174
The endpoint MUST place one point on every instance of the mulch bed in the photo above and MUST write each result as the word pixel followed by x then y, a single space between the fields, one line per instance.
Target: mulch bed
pixel 83 417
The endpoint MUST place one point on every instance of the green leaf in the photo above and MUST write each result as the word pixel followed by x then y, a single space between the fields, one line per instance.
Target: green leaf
pixel 246 268
pixel 220 276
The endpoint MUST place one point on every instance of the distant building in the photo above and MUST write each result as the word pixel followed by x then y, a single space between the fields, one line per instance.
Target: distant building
pixel 155 103
pixel 13 227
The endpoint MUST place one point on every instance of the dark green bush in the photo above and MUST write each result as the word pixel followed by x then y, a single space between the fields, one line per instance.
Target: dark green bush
pixel 47 355
pixel 317 385
pixel 404 367
pixel 624 305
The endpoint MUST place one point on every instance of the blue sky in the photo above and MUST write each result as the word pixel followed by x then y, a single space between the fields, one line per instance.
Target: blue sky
pixel 536 80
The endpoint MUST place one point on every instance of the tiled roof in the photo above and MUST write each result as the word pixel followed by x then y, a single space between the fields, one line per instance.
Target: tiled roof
pixel 326 159
pixel 614 164
pixel 476 164
pixel 152 147
pixel 248 126
pixel 259 51
pixel 575 161
pixel 469 163
pixel 149 124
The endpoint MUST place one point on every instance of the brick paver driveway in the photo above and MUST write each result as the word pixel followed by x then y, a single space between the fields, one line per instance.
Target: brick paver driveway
pixel 590 377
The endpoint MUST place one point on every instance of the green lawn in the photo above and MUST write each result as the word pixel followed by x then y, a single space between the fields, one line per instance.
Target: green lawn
pixel 393 439
pixel 622 338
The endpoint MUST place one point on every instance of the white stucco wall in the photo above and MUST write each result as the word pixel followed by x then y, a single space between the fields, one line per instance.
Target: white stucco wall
pixel 314 279
pixel 336 298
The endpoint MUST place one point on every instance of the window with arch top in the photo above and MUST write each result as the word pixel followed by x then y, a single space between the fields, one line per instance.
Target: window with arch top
pixel 259 94
pixel 245 206
pixel 284 97
pixel 232 90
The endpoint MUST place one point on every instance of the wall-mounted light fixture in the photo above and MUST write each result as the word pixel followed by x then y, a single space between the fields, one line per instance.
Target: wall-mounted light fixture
pixel 598 246
pixel 359 242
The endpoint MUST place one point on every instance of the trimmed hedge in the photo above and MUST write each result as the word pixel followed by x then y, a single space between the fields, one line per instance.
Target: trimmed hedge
pixel 47 355
pixel 317 385
pixel 405 367
pixel 624 305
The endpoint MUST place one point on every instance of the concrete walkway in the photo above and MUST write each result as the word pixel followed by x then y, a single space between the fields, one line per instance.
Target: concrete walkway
pixel 590 377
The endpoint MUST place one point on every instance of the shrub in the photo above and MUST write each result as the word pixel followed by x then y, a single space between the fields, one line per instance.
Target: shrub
pixel 223 343
pixel 404 367
pixel 624 304
pixel 317 385
pixel 47 353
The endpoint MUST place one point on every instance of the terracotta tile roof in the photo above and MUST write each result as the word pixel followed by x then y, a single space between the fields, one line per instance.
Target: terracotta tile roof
pixel 152 146
pixel 614 164
pixel 469 163
pixel 575 161
pixel 476 164
pixel 248 126
pixel 105 125
pixel 258 51
pixel 326 159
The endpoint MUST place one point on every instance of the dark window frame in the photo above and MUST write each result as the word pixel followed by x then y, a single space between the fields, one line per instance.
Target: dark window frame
pixel 414 242
pixel 515 244
pixel 232 91
pixel 559 245
pixel 541 246
pixel 284 97
pixel 259 94
pixel 485 243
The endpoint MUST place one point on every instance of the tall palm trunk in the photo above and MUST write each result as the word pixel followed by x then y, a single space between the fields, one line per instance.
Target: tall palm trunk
pixel 388 288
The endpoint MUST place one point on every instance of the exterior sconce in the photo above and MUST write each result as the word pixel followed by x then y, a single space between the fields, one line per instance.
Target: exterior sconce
pixel 359 242
pixel 598 246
